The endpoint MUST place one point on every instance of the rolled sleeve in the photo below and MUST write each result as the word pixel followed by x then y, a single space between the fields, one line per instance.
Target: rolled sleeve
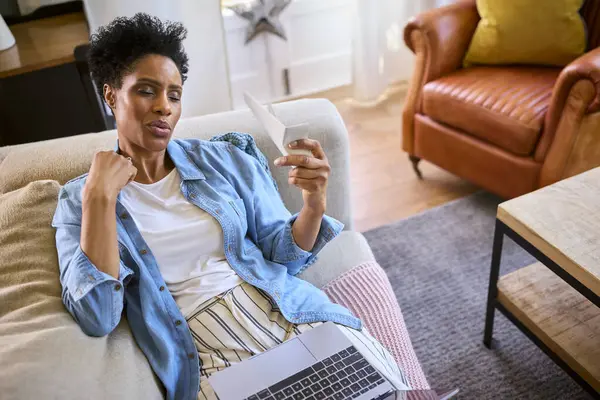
pixel 94 298
pixel 83 276
pixel 296 259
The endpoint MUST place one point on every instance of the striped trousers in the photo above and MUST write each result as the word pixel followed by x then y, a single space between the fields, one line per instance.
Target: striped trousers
pixel 245 321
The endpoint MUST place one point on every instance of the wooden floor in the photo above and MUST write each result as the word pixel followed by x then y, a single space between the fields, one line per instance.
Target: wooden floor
pixel 384 186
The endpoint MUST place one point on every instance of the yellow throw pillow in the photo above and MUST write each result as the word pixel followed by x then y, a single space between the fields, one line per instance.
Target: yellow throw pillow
pixel 549 32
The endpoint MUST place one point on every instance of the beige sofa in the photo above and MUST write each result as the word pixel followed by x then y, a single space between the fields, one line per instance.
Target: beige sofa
pixel 44 354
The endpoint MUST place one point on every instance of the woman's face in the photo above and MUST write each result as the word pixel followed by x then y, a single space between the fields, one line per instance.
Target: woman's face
pixel 148 104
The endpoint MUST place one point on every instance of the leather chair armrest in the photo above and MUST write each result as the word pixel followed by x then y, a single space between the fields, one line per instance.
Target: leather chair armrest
pixel 568 144
pixel 586 67
pixel 444 34
pixel 439 38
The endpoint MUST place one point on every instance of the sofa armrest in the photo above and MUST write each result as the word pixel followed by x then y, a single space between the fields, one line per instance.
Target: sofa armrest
pixel 570 142
pixel 340 255
pixel 439 38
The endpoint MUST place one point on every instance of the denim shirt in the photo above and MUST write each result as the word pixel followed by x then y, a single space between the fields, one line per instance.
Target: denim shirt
pixel 239 193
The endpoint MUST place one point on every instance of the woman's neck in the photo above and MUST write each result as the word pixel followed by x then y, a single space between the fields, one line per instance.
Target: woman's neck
pixel 151 166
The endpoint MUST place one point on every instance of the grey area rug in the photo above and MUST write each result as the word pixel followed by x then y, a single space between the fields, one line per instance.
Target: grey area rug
pixel 438 263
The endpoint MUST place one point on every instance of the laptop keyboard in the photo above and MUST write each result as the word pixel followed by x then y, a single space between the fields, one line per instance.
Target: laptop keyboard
pixel 345 375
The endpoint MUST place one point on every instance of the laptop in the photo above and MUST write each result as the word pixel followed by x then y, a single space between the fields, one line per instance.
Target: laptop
pixel 321 363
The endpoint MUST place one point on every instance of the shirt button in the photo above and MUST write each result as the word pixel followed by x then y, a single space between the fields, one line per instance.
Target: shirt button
pixel 192 196
pixel 124 216
pixel 218 211
pixel 178 322
pixel 191 356
pixel 143 251
pixel 117 287
pixel 161 288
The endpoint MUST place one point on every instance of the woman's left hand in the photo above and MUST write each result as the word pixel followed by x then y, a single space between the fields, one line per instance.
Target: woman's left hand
pixel 310 173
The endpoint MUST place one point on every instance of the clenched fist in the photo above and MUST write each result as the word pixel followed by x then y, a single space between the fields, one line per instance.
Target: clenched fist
pixel 109 173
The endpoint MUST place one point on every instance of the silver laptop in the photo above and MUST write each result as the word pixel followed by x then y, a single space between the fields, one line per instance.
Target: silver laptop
pixel 319 364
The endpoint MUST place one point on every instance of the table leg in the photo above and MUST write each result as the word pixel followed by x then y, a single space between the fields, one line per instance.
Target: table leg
pixel 493 288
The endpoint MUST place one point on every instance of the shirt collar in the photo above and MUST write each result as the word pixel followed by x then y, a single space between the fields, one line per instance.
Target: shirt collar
pixel 188 170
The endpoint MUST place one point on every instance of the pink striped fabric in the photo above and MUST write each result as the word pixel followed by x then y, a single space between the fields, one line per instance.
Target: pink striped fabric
pixel 366 291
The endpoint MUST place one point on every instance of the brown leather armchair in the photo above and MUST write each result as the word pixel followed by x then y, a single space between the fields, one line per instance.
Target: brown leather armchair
pixel 508 129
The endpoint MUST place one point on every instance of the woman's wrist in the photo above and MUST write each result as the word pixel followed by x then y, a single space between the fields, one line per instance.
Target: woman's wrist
pixel 306 227
pixel 92 195
pixel 313 212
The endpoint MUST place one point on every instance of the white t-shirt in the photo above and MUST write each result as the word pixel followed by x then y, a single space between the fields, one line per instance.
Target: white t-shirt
pixel 186 241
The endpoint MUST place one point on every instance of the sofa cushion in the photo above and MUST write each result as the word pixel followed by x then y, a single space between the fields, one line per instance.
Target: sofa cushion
pixel 43 352
pixel 65 158
pixel 504 106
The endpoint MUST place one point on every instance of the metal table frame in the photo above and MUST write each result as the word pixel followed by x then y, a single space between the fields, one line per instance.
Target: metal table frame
pixel 502 229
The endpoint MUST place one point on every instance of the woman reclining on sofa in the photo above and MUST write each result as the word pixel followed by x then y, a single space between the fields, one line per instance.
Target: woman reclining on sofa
pixel 190 237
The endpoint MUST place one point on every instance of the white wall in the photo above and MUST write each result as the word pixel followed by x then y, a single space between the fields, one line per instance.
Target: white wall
pixel 400 57
pixel 380 56
pixel 317 53
pixel 207 87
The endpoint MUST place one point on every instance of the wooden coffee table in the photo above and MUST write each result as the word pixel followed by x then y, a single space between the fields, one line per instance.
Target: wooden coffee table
pixel 555 302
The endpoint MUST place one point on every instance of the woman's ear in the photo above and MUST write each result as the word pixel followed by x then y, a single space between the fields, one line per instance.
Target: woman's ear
pixel 109 96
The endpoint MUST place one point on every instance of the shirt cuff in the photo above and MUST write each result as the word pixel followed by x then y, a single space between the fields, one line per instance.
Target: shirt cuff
pixel 297 259
pixel 85 276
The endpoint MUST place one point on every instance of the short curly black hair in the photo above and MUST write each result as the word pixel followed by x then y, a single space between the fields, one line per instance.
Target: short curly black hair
pixel 116 47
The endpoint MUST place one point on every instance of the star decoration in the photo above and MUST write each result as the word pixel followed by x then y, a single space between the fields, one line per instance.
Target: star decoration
pixel 263 16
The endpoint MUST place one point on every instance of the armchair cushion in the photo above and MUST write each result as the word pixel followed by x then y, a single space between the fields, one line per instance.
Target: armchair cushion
pixel 527 32
pixel 504 106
